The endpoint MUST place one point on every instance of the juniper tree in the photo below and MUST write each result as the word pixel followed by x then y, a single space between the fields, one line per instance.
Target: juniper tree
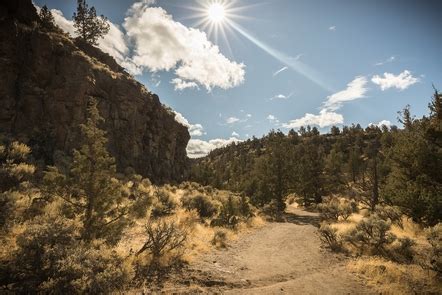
pixel 415 181
pixel 88 25
pixel 90 187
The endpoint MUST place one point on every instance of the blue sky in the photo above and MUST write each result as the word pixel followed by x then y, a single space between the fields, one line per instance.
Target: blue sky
pixel 339 62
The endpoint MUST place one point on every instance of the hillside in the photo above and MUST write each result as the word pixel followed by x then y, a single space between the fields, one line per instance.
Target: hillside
pixel 375 165
pixel 48 80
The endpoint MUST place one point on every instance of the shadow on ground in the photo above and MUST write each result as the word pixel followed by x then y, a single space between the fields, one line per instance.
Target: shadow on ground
pixel 301 219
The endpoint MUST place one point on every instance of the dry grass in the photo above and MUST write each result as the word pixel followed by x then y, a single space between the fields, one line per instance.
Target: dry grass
pixel 200 234
pixel 411 230
pixel 388 277
pixel 344 227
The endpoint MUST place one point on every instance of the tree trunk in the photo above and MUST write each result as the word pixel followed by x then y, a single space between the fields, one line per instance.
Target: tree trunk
pixel 375 193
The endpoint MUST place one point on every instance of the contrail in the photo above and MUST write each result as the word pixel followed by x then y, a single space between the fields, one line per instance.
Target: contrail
pixel 280 71
pixel 293 63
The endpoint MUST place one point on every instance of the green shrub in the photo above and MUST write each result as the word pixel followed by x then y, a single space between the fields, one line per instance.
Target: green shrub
pixel 90 269
pixel 329 236
pixel 271 209
pixel 246 209
pixel 392 213
pixel 434 237
pixel 371 235
pixel 230 213
pixel 333 208
pixel 51 258
pixel 14 166
pixel 329 210
pixel 164 204
pixel 403 251
pixel 204 205
pixel 165 242
pixel 347 208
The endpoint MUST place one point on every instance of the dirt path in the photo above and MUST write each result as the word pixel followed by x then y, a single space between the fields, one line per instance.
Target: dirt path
pixel 280 258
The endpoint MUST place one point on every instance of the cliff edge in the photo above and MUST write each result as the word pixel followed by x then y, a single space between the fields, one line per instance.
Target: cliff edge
pixel 47 81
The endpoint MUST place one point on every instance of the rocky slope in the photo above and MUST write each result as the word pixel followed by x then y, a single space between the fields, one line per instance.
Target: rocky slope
pixel 47 80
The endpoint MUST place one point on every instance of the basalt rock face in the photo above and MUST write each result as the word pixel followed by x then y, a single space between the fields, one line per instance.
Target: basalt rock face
pixel 46 82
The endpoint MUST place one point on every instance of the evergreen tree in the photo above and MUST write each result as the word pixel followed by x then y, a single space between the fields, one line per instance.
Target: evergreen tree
pixel 90 187
pixel 372 153
pixel 46 19
pixel 415 181
pixel 307 175
pixel 272 172
pixel 355 163
pixel 335 130
pixel 88 25
pixel 334 168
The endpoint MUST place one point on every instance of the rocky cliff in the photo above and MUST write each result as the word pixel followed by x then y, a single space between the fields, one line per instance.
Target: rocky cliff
pixel 47 80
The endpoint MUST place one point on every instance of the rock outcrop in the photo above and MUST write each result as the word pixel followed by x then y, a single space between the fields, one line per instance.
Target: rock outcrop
pixel 47 80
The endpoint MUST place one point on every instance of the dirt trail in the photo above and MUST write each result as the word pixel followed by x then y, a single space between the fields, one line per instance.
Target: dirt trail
pixel 280 258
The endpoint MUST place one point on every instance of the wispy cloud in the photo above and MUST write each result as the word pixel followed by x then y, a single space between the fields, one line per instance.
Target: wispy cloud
pixel 355 89
pixel 282 96
pixel 232 120
pixel 280 71
pixel 401 81
pixel 332 28
pixel 235 134
pixel 388 60
pixel 327 115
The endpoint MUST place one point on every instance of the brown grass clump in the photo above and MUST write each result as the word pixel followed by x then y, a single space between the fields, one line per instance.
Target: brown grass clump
pixel 389 277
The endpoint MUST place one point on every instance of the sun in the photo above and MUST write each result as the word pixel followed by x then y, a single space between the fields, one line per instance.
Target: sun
pixel 217 18
pixel 216 12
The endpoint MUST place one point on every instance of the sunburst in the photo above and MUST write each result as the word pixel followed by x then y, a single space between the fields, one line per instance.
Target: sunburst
pixel 215 18
pixel 219 17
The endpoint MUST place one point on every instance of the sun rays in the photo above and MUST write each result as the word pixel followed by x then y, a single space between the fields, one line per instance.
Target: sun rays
pixel 221 18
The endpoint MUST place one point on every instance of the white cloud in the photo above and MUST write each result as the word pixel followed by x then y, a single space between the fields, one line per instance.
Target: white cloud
pixel 327 115
pixel 272 119
pixel 280 71
pixel 388 60
pixel 232 120
pixel 63 23
pixel 181 85
pixel 198 148
pixel 323 119
pixel 161 43
pixel 235 134
pixel 355 89
pixel 381 123
pixel 113 43
pixel 282 96
pixel 194 129
pixel 249 115
pixel 401 81
pixel 332 28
